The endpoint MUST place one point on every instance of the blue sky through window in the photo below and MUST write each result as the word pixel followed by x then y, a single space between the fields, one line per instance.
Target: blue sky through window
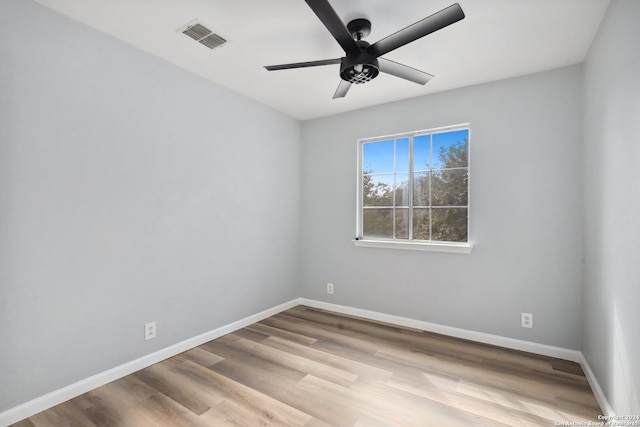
pixel 378 156
pixel 446 139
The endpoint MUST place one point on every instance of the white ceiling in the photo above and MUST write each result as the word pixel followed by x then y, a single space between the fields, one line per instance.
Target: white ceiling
pixel 497 39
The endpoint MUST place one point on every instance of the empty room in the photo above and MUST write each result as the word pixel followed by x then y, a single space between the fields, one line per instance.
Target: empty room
pixel 319 213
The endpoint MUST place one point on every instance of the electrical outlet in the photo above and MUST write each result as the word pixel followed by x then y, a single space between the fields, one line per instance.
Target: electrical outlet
pixel 330 288
pixel 526 320
pixel 149 330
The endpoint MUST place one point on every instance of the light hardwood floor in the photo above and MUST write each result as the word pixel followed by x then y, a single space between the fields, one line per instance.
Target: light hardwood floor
pixel 309 367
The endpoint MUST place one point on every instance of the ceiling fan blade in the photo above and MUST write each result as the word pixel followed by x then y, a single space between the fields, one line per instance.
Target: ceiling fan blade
pixel 303 64
pixel 428 25
pixel 334 24
pixel 403 71
pixel 342 90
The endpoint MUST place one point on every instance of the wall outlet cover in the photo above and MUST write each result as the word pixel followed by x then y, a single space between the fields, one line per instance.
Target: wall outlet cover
pixel 149 330
pixel 526 320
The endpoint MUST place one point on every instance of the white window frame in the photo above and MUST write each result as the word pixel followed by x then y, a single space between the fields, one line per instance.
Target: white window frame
pixel 416 245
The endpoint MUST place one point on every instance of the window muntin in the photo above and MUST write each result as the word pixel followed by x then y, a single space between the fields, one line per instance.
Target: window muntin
pixel 415 186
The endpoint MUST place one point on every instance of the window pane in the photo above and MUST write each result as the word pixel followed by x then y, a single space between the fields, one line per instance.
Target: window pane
pixel 449 187
pixel 429 204
pixel 449 225
pixel 421 189
pixel 402 223
pixel 451 149
pixel 402 155
pixel 421 224
pixel 402 189
pixel 377 157
pixel 421 152
pixel 377 223
pixel 377 190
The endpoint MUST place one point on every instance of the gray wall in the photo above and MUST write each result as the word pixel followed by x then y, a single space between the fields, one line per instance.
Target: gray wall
pixel 130 191
pixel 611 341
pixel 525 212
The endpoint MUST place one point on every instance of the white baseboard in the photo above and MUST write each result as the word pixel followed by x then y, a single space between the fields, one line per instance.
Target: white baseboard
pixel 54 398
pixel 57 397
pixel 516 344
pixel 595 387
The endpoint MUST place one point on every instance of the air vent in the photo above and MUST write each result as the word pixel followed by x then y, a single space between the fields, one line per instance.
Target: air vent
pixel 204 36
pixel 213 41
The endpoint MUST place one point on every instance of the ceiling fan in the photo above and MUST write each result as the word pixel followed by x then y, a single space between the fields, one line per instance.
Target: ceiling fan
pixel 362 62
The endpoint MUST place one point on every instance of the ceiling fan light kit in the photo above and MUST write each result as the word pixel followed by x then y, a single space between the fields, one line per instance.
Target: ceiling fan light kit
pixel 359 68
pixel 362 62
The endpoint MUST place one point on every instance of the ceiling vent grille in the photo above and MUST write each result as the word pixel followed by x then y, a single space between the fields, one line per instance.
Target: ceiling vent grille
pixel 204 36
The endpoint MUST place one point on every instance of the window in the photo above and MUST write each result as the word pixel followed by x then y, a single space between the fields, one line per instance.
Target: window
pixel 414 187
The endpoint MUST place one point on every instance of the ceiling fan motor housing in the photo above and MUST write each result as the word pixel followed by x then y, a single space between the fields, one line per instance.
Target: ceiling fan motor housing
pixel 359 67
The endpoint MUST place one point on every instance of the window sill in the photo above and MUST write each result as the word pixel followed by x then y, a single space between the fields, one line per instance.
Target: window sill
pixel 460 248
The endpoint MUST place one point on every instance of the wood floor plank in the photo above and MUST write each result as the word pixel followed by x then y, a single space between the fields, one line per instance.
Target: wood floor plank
pixel 198 355
pixel 293 361
pixel 285 335
pixel 24 423
pixel 356 367
pixel 161 410
pixel 314 422
pixel 470 404
pixel 64 415
pixel 410 409
pixel 313 368
pixel 250 400
pixel 178 388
